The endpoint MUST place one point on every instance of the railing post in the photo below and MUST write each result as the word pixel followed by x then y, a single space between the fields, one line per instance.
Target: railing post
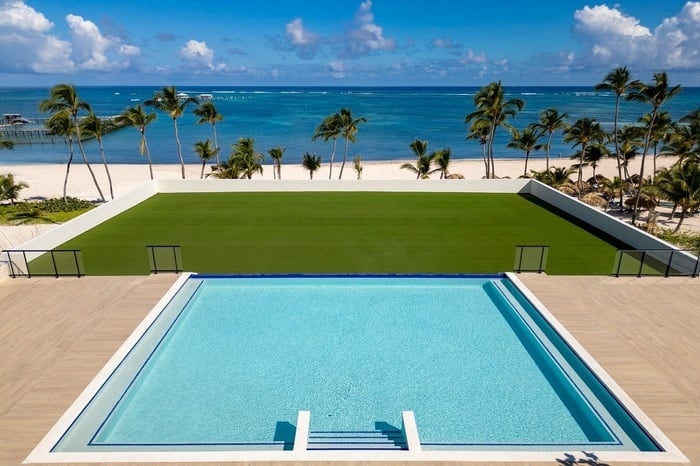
pixel 177 269
pixel 53 261
pixel 641 264
pixel 668 265
pixel 520 260
pixel 541 259
pixel 153 254
pixel 619 263
pixel 77 265
pixel 29 272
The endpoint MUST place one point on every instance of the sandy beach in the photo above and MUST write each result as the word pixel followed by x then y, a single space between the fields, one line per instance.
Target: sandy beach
pixel 47 181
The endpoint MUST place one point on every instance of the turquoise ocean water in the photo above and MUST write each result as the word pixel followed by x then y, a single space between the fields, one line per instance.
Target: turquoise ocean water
pixel 287 117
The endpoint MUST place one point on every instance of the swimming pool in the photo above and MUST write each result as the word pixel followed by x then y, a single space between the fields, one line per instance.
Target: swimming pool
pixel 229 364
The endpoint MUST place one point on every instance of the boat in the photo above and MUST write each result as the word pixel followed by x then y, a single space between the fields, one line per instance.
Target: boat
pixel 205 97
pixel 14 119
pixel 182 96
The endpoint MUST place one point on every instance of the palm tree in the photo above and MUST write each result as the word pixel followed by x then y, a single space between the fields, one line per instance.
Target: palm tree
pixel 663 125
pixel 205 151
pixel 9 190
pixel 166 100
pixel 349 128
pixel 584 132
pixel 656 95
pixel 423 167
pixel 525 141
pixel 617 81
pixel 94 126
pixel 330 128
pixel 64 98
pixel 681 185
pixel 442 160
pixel 615 187
pixel 492 106
pixel 207 113
pixel 555 177
pixel 550 121
pixel 276 154
pixel 61 124
pixel 311 162
pixel 137 117
pixel 244 158
pixel 630 139
pixel 481 130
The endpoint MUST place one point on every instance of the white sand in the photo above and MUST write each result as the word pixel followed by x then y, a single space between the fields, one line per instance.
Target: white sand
pixel 47 180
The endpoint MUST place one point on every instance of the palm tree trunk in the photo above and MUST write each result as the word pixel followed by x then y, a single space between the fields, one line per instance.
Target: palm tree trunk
pixel 680 221
pixel 492 175
pixel 204 164
pixel 179 148
pixel 527 156
pixel 345 155
pixel 484 156
pixel 617 146
pixel 580 171
pixel 70 160
pixel 89 167
pixel 216 145
pixel 279 169
pixel 330 171
pixel 104 161
pixel 549 144
pixel 641 167
pixel 144 144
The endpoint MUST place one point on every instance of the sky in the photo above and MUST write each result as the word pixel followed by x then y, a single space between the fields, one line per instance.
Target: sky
pixel 345 43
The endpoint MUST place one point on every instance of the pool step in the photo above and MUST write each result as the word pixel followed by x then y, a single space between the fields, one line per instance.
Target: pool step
pixel 391 439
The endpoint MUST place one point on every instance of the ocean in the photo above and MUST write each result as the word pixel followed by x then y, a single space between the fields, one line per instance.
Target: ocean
pixel 287 117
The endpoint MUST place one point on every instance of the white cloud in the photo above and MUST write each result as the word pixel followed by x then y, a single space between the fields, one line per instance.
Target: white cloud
pixel 16 15
pixel 197 55
pixel 92 50
pixel 365 37
pixel 26 45
pixel 471 58
pixel 297 35
pixel 337 69
pixel 613 38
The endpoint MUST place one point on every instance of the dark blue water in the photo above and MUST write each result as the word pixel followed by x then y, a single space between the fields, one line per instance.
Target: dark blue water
pixel 287 117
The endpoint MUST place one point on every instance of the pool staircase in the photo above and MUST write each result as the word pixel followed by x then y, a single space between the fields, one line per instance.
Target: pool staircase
pixel 383 437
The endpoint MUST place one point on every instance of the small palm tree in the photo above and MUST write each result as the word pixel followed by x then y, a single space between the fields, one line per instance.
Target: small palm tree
pixel 95 127
pixel 442 160
pixel 330 128
pixel 9 189
pixel 276 154
pixel 550 121
pixel 357 163
pixel 64 98
pixel 492 106
pixel 349 128
pixel 481 131
pixel 655 94
pixel 138 118
pixel 167 100
pixel 526 141
pixel 681 185
pixel 311 162
pixel 244 158
pixel 205 151
pixel 423 167
pixel 661 130
pixel 207 113
pixel 584 132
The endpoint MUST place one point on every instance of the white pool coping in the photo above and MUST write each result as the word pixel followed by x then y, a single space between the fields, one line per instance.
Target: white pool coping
pixel 42 452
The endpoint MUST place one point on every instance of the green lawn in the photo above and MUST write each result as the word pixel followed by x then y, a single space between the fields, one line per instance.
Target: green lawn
pixel 331 232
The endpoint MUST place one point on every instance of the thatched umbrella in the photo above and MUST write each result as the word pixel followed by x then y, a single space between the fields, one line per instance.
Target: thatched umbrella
pixel 645 202
pixel 569 189
pixel 594 199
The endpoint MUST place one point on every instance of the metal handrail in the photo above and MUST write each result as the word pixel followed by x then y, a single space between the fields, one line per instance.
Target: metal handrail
pixel 16 270
pixel 154 262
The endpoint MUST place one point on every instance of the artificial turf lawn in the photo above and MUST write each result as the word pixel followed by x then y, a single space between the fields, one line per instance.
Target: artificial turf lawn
pixel 341 232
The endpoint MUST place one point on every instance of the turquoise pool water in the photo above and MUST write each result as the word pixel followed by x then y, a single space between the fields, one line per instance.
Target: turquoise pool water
pixel 230 362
